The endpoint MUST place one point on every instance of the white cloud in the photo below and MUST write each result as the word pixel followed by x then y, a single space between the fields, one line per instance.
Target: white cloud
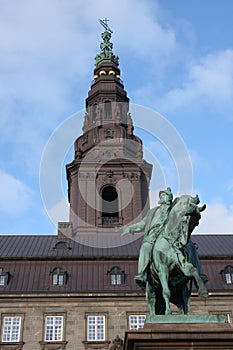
pixel 60 212
pixel 140 31
pixel 208 83
pixel 15 196
pixel 47 57
pixel 47 50
pixel 217 218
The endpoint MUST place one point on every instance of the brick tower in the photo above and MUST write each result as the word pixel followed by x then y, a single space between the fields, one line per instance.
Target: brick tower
pixel 108 179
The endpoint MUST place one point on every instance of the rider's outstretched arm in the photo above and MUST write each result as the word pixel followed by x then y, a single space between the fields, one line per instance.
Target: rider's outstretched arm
pixel 138 227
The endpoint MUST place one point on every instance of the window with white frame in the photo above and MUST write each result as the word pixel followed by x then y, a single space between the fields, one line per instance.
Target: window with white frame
pixel 11 329
pixel 115 279
pixel 136 321
pixel 228 274
pixel 3 278
pixel 58 277
pixel 96 328
pixel 53 328
pixel 116 276
pixel 228 278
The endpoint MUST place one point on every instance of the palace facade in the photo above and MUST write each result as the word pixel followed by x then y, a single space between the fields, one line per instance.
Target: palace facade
pixel 76 290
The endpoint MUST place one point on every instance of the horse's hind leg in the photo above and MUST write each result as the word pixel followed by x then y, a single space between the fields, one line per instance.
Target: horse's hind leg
pixel 151 299
pixel 163 277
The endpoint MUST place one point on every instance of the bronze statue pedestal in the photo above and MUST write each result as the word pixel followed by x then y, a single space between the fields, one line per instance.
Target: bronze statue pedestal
pixel 189 332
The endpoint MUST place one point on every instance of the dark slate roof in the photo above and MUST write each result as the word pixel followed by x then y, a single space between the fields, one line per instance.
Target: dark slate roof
pixel 91 276
pixel 83 276
pixel 42 247
pixel 29 260
pixel 214 245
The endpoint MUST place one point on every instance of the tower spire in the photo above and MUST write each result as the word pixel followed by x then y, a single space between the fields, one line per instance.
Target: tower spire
pixel 108 155
pixel 106 53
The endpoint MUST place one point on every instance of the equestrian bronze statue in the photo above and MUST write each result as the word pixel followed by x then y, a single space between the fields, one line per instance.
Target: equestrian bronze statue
pixel 168 260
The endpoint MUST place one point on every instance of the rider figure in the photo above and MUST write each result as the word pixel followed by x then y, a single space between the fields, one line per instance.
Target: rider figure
pixel 152 224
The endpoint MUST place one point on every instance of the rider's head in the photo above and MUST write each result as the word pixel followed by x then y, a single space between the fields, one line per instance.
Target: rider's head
pixel 165 196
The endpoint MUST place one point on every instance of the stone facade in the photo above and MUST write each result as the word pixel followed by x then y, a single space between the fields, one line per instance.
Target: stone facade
pixel 75 308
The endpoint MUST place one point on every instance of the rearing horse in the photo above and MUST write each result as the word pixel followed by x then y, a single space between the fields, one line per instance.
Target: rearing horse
pixel 170 269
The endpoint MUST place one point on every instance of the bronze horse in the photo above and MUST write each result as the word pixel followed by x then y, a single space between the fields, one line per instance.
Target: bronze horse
pixel 170 268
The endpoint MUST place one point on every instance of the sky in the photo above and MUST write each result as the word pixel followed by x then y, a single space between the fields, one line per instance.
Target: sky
pixel 176 58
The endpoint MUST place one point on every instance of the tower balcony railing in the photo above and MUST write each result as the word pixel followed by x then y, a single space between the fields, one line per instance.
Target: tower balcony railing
pixel 110 220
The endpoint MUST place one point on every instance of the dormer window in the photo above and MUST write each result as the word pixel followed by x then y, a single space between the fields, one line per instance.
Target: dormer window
pixel 62 245
pixel 228 274
pixel 116 276
pixel 3 278
pixel 59 277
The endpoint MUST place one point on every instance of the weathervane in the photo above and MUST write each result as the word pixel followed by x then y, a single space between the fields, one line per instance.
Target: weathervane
pixel 106 53
pixel 104 23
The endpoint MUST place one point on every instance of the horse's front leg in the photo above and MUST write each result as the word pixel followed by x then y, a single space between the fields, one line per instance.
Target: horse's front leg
pixel 163 274
pixel 151 299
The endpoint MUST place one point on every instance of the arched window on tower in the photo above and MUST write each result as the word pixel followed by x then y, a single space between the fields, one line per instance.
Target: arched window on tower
pixel 110 213
pixel 107 110
pixel 94 112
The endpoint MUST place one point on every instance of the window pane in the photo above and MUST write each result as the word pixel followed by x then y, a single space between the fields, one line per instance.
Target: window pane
pixel 55 279
pixel 136 321
pixel 228 278
pixel 53 328
pixel 60 279
pixel 95 328
pixel 2 280
pixel 115 279
pixel 11 329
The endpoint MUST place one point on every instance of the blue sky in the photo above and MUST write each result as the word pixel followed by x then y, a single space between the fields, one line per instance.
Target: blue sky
pixel 176 57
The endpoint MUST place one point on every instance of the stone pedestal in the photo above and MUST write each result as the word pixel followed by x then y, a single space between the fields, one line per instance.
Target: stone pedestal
pixel 192 332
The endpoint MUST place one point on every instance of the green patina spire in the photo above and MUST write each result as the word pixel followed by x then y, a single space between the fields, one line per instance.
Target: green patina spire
pixel 106 53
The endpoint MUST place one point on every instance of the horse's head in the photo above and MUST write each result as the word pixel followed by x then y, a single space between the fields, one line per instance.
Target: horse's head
pixel 184 216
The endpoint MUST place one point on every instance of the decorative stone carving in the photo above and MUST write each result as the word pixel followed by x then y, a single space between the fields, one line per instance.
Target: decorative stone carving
pixel 117 112
pixel 17 346
pixel 117 344
pixel 84 139
pixel 53 345
pixel 109 178
pixel 108 154
pixel 64 224
pixel 86 176
pixel 85 124
pixel 131 176
pixel 96 344
pixel 108 133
